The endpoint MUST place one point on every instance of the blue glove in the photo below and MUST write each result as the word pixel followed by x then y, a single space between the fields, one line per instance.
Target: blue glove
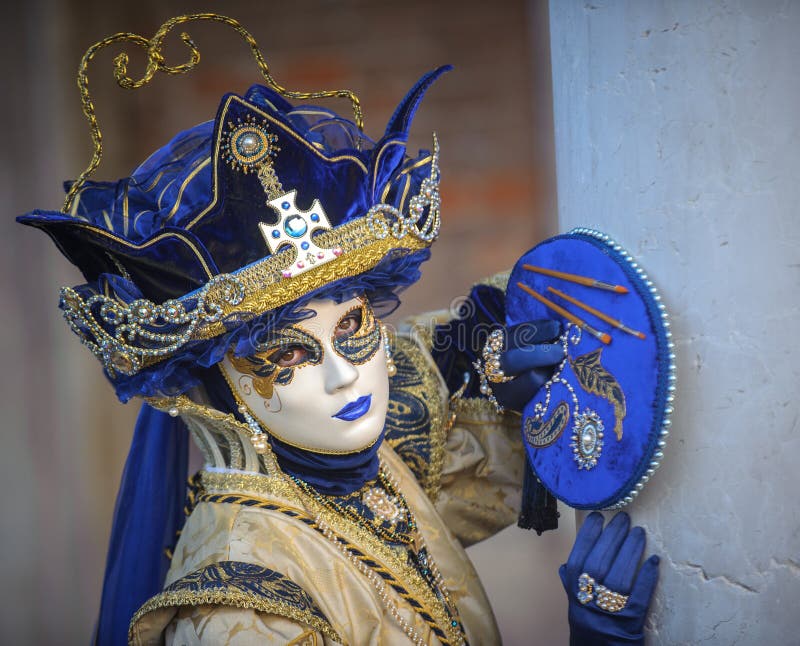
pixel 610 558
pixel 531 356
pixel 530 349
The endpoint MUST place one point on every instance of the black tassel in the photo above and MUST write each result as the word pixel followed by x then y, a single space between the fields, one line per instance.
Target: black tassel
pixel 539 511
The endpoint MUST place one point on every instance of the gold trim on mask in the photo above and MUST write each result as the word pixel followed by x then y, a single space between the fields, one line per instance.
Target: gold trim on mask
pixel 266 428
pixel 359 346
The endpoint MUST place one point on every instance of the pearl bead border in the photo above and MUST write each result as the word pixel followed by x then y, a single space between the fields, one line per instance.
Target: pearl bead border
pixel 666 423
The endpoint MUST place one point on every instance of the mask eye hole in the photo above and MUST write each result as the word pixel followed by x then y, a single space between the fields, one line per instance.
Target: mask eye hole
pixel 349 324
pixel 288 356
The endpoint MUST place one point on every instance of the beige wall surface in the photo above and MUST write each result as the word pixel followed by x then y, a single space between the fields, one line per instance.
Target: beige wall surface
pixel 65 435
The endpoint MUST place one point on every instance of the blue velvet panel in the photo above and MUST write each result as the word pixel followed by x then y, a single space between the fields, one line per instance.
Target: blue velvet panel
pixel 639 367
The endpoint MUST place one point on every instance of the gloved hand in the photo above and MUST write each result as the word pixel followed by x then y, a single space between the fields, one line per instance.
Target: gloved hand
pixel 532 352
pixel 528 354
pixel 610 558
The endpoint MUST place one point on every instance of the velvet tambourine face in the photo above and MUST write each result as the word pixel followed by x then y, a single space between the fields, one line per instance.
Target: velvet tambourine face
pixel 595 431
pixel 320 384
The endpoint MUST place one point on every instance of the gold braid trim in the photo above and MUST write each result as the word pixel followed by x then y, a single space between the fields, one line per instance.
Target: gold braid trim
pixel 390 564
pixel 303 609
pixel 367 547
pixel 182 405
pixel 255 485
pixel 266 289
pixel 221 423
pixel 156 63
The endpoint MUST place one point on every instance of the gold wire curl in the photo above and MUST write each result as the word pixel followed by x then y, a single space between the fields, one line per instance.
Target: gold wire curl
pixel 156 63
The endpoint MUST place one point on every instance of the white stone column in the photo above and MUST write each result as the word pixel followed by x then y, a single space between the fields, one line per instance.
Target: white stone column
pixel 678 133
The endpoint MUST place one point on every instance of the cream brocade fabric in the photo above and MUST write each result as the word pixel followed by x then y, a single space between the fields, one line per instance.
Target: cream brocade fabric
pixel 480 494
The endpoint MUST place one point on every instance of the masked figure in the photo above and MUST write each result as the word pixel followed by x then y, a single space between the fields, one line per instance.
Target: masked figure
pixel 235 282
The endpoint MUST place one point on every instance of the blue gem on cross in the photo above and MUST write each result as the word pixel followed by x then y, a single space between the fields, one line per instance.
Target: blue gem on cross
pixel 295 226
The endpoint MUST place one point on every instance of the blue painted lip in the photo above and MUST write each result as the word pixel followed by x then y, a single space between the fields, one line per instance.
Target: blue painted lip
pixel 355 409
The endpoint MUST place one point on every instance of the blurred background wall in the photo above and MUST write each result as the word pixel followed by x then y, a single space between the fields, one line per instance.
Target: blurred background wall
pixel 65 436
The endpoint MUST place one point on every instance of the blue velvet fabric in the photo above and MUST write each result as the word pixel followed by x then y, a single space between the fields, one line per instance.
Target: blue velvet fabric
pixel 529 359
pixel 180 218
pixel 640 367
pixel 148 513
pixel 458 343
pixel 332 475
pixel 611 557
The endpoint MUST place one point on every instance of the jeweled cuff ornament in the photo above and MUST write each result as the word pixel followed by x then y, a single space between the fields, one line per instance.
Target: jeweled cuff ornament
pixel 488 367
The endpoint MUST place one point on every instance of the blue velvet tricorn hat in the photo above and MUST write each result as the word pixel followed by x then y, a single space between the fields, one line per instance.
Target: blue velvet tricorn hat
pixel 235 220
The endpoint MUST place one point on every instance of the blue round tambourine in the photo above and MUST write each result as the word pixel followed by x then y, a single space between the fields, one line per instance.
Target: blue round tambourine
pixel 594 433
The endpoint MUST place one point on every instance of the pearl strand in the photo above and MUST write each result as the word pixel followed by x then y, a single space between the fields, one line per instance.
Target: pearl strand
pixel 377 582
pixel 438 579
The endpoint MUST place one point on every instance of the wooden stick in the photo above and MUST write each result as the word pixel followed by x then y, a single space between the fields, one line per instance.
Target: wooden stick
pixel 575 278
pixel 600 336
pixel 597 313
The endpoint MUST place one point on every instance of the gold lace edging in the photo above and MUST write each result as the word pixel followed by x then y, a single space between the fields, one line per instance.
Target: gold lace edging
pixel 310 616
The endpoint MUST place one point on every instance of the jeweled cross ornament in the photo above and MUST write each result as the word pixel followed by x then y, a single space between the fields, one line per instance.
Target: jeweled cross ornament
pixel 294 227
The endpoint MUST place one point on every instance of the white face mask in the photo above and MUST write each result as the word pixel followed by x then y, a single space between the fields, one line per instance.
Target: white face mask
pixel 320 384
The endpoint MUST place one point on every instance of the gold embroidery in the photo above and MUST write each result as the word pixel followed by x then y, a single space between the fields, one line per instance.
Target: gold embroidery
pixel 390 561
pixel 595 379
pixel 541 434
pixel 481 409
pixel 257 485
pixel 418 379
pixel 390 505
pixel 266 289
pixel 308 638
pixel 221 424
pixel 242 585
pixel 382 557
